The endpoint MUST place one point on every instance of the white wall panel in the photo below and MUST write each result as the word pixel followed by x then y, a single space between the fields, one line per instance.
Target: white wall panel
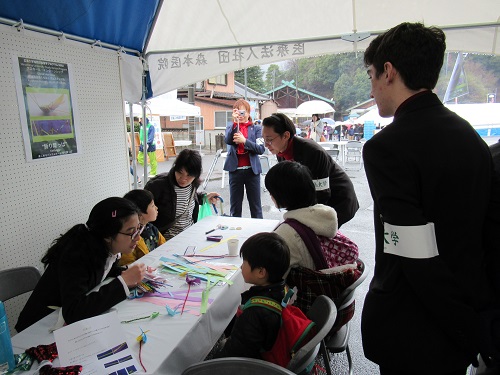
pixel 40 200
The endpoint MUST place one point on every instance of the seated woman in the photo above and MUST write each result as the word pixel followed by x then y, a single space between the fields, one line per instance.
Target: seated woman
pixel 151 237
pixel 81 259
pixel 175 194
pixel 291 187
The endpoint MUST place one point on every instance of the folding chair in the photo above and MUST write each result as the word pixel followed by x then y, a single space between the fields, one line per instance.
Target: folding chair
pixel 322 312
pixel 353 150
pixel 17 281
pixel 339 341
pixel 235 365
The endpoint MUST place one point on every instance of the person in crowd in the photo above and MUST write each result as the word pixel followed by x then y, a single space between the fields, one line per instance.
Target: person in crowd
pixel 176 196
pixel 81 259
pixel 265 259
pixel 421 311
pixel 242 161
pixel 316 128
pixel 350 132
pixel 333 187
pixel 329 132
pixel 318 217
pixel 151 150
pixel 151 237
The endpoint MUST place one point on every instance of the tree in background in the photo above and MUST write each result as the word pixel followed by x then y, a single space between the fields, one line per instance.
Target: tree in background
pixel 254 78
pixel 274 77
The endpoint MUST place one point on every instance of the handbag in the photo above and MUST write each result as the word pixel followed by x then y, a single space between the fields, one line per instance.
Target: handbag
pixel 205 209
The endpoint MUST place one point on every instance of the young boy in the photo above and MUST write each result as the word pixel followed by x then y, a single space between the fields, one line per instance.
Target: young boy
pixel 266 258
pixel 151 237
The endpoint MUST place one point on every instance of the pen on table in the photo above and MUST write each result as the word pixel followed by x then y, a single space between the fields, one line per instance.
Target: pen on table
pixel 210 231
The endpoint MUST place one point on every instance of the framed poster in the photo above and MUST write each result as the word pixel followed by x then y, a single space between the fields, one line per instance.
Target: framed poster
pixel 46 108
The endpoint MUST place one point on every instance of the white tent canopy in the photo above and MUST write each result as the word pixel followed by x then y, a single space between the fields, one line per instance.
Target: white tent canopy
pixel 220 42
pixel 166 106
pixel 482 115
pixel 178 48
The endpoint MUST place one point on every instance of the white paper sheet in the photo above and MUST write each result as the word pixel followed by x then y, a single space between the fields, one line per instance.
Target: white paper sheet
pixel 98 344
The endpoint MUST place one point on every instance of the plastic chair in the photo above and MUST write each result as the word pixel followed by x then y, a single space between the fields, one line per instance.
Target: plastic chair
pixel 353 150
pixel 17 281
pixel 235 365
pixel 339 342
pixel 322 312
pixel 334 153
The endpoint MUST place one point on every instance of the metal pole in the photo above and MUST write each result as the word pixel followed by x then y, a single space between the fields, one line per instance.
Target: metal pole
pixel 132 143
pixel 245 71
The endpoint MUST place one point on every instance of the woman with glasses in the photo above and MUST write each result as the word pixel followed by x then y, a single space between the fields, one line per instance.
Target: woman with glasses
pixel 150 236
pixel 333 187
pixel 81 259
pixel 242 161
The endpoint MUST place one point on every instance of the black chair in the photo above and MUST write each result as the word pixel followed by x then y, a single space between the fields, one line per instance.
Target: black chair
pixel 235 366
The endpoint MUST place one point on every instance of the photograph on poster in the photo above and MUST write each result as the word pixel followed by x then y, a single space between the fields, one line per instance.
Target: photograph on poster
pixel 47 108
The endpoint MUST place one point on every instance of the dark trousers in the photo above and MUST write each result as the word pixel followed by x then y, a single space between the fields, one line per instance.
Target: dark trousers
pixel 240 180
pixel 387 371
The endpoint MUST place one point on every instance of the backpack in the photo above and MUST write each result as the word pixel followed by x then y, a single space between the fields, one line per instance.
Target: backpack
pixel 296 329
pixel 327 252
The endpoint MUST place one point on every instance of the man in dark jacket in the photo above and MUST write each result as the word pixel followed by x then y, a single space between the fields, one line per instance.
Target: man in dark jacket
pixel 431 196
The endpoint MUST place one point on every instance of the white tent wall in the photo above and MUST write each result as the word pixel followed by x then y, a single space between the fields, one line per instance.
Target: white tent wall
pixel 42 199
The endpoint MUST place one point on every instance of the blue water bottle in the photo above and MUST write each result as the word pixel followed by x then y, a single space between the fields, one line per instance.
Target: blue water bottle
pixel 6 354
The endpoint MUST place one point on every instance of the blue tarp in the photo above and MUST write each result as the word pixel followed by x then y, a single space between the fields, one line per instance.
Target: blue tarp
pixel 124 23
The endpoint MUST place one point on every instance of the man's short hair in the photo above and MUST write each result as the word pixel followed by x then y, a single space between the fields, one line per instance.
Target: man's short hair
pixel 269 251
pixel 416 51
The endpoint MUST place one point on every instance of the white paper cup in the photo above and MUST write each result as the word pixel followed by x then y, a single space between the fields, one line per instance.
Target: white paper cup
pixel 232 246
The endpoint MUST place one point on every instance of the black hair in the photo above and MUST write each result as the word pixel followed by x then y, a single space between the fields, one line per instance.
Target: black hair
pixel 190 161
pixel 269 251
pixel 416 51
pixel 280 123
pixel 105 220
pixel 291 185
pixel 141 198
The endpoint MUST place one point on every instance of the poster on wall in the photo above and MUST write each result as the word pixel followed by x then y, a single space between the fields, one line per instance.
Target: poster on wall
pixel 47 108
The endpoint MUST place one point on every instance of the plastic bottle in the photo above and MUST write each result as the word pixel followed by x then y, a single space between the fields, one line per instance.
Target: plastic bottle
pixel 6 354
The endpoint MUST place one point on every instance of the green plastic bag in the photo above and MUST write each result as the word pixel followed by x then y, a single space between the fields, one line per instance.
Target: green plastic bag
pixel 205 209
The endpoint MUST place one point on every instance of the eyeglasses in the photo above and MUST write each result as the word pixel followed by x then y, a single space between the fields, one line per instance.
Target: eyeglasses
pixel 135 234
pixel 270 141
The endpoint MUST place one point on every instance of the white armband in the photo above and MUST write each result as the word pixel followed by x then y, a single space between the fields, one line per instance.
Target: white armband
pixel 415 242
pixel 322 183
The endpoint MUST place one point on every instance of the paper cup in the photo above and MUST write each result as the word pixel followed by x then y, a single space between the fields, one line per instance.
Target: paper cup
pixel 232 246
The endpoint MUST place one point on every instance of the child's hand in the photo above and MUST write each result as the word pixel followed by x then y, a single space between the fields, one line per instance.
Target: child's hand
pixel 212 197
pixel 134 274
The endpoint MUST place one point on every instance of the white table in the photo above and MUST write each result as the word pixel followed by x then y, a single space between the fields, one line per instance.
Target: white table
pixel 176 342
pixel 340 144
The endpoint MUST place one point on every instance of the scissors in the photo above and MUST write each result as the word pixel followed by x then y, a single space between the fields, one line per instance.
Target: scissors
pixel 135 293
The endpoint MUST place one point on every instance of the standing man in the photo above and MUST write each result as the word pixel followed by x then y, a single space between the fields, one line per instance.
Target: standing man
pixel 150 131
pixel 430 196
